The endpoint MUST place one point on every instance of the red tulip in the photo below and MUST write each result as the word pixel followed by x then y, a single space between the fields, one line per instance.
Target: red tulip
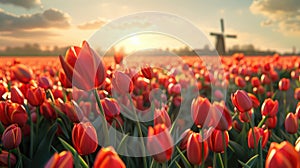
pixel 64 80
pixel 271 122
pixel 240 82
pixel 220 117
pixel 35 96
pixel 47 110
pixel 195 148
pixel 3 89
pixel 174 89
pixel 4 159
pixel 185 137
pixel 160 143
pixel 297 94
pixel 84 138
pixel 68 109
pixel 265 79
pixel 22 73
pixel 12 113
pixel 200 108
pixel 241 101
pixel 11 137
pixel 161 116
pixel 83 67
pixel 16 95
pixel 45 82
pixel 111 107
pixel 255 81
pixel 118 56
pixel 259 133
pixel 107 157
pixel 282 155
pixel 297 145
pixel 255 101
pixel 246 117
pixel 63 159
pixel 215 141
pixel 284 84
pixel 147 71
pixel 291 123
pixel 121 83
pixel 269 108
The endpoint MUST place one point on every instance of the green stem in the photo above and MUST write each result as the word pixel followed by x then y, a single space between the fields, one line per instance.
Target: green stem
pixel 284 102
pixel 87 160
pixel 196 166
pixel 215 160
pixel 20 157
pixel 261 123
pixel 37 120
pixel 220 158
pixel 31 131
pixel 139 130
pixel 225 149
pixel 104 122
pixel 260 155
pixel 164 165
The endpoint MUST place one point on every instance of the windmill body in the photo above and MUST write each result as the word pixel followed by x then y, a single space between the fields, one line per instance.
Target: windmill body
pixel 220 39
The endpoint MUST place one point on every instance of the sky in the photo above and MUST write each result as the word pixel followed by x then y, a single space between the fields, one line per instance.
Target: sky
pixel 267 24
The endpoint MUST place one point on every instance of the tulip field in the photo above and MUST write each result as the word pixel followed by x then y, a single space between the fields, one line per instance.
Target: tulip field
pixel 82 110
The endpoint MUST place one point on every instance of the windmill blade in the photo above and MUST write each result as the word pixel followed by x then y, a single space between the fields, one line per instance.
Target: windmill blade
pixel 215 34
pixel 222 25
pixel 231 36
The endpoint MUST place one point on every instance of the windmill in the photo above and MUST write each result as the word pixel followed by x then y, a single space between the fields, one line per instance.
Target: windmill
pixel 220 39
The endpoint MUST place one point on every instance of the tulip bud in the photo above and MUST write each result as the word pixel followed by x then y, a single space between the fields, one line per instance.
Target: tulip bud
pixel 246 117
pixel 22 73
pixel 118 56
pixel 297 94
pixel 147 71
pixel 160 143
pixel 282 155
pixel 215 141
pixel 63 159
pixel 107 157
pixel 200 108
pixel 240 82
pixel 45 83
pixel 269 108
pixel 241 101
pixel 161 116
pixel 220 117
pixel 12 136
pixel 291 123
pixel 35 96
pixel 185 137
pixel 284 84
pixel 259 133
pixel 3 89
pixel 271 122
pixel 11 113
pixel 16 95
pixel 4 159
pixel 255 81
pixel 111 107
pixel 255 101
pixel 84 138
pixel 195 147
pixel 121 83
pixel 47 110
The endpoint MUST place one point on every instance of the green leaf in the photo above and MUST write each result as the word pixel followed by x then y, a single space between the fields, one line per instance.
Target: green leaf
pixel 74 152
pixel 184 159
pixel 237 149
pixel 43 153
pixel 250 162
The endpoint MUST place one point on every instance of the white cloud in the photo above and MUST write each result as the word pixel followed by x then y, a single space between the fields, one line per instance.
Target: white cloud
pixel 23 3
pixel 284 14
pixel 50 18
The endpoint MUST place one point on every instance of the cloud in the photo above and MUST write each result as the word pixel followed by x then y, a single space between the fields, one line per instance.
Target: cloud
pixel 23 3
pixel 28 34
pixel 94 24
pixel 285 15
pixel 50 18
